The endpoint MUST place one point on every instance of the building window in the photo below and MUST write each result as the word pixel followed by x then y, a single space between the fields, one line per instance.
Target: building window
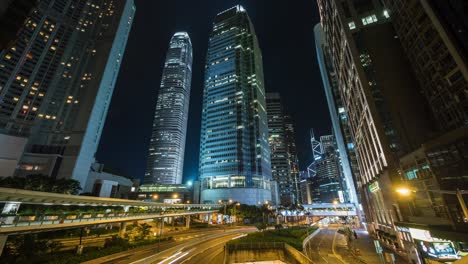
pixel 352 25
pixel 369 20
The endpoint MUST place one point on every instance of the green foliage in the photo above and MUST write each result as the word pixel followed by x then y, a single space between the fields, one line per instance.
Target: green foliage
pixel 143 231
pixel 42 183
pixel 115 245
pixel 292 236
pixel 261 226
pixel 28 249
pixel 116 241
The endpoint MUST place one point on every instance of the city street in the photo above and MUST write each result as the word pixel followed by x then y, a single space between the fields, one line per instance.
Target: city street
pixel 328 246
pixel 192 247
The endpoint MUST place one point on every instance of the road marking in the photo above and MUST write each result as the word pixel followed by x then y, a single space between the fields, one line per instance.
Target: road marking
pixel 181 256
pixel 239 236
pixel 166 259
pixel 333 249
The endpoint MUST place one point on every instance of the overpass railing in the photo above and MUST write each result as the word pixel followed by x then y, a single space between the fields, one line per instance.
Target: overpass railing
pixel 50 219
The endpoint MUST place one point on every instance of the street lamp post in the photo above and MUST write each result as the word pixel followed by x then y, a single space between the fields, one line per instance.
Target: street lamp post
pixel 459 193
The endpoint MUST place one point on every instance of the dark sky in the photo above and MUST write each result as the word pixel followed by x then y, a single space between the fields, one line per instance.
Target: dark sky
pixel 285 33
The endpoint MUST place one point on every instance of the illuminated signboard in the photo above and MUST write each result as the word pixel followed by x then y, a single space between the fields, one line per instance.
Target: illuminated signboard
pixel 374 187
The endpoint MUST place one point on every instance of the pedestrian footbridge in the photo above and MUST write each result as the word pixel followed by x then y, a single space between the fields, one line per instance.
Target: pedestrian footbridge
pixel 330 209
pixel 44 212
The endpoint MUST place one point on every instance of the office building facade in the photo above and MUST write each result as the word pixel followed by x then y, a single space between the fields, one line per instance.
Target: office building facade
pixel 167 144
pixel 293 160
pixel 57 82
pixel 282 147
pixel 234 150
pixel 434 37
pixel 340 122
pixel 327 184
pixel 387 116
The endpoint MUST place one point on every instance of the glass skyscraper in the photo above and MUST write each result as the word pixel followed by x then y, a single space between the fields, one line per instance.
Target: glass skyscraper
pixel 166 151
pixel 234 152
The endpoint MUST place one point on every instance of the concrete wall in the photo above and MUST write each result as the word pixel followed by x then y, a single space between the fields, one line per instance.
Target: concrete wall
pixel 11 148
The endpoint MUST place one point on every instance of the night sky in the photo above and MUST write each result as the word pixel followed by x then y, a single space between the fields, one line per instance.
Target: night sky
pixel 286 37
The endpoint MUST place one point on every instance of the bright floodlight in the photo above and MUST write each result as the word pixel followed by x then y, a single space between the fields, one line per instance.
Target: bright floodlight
pixel 189 183
pixel 335 202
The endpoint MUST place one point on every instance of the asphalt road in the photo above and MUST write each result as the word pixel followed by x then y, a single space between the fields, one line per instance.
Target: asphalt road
pixel 320 249
pixel 195 247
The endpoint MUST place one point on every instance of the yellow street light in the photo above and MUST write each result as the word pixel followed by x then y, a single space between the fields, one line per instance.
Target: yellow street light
pixel 335 202
pixel 403 191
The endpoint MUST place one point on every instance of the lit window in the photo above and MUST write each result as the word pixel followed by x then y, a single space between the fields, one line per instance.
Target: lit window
pixel 386 14
pixel 352 25
pixel 369 20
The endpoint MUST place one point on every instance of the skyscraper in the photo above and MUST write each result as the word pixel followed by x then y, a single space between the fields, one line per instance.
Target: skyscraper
pixel 234 151
pixel 290 136
pixel 328 181
pixel 435 33
pixel 57 82
pixel 167 146
pixel 340 122
pixel 281 169
pixel 387 116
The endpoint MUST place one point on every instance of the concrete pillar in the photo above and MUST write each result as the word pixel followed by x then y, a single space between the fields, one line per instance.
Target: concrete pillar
pixel 3 239
pixel 210 218
pixel 187 221
pixel 162 226
pixel 123 229
pixel 173 222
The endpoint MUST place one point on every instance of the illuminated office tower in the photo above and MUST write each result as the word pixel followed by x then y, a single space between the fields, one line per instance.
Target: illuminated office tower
pixel 340 121
pixel 57 82
pixel 279 156
pixel 380 94
pixel 328 180
pixel 166 151
pixel 234 151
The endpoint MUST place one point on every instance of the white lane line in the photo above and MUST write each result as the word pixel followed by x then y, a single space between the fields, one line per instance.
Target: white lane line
pixel 239 236
pixel 166 259
pixel 181 256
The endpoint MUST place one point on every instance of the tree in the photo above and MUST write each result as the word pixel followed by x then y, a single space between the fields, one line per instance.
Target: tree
pixel 144 230
pixel 42 183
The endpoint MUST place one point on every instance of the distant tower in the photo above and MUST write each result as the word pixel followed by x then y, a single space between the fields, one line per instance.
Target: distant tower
pixel 316 154
pixel 284 167
pixel 166 150
pixel 234 150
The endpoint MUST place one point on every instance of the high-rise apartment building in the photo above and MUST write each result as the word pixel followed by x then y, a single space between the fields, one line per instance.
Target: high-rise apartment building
pixel 284 168
pixel 167 146
pixel 234 151
pixel 380 95
pixel 57 82
pixel 434 35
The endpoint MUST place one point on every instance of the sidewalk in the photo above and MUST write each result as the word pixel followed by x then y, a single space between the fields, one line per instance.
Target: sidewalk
pixel 365 244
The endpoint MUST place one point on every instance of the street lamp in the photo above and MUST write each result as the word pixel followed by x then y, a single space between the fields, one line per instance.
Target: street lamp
pixel 459 193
